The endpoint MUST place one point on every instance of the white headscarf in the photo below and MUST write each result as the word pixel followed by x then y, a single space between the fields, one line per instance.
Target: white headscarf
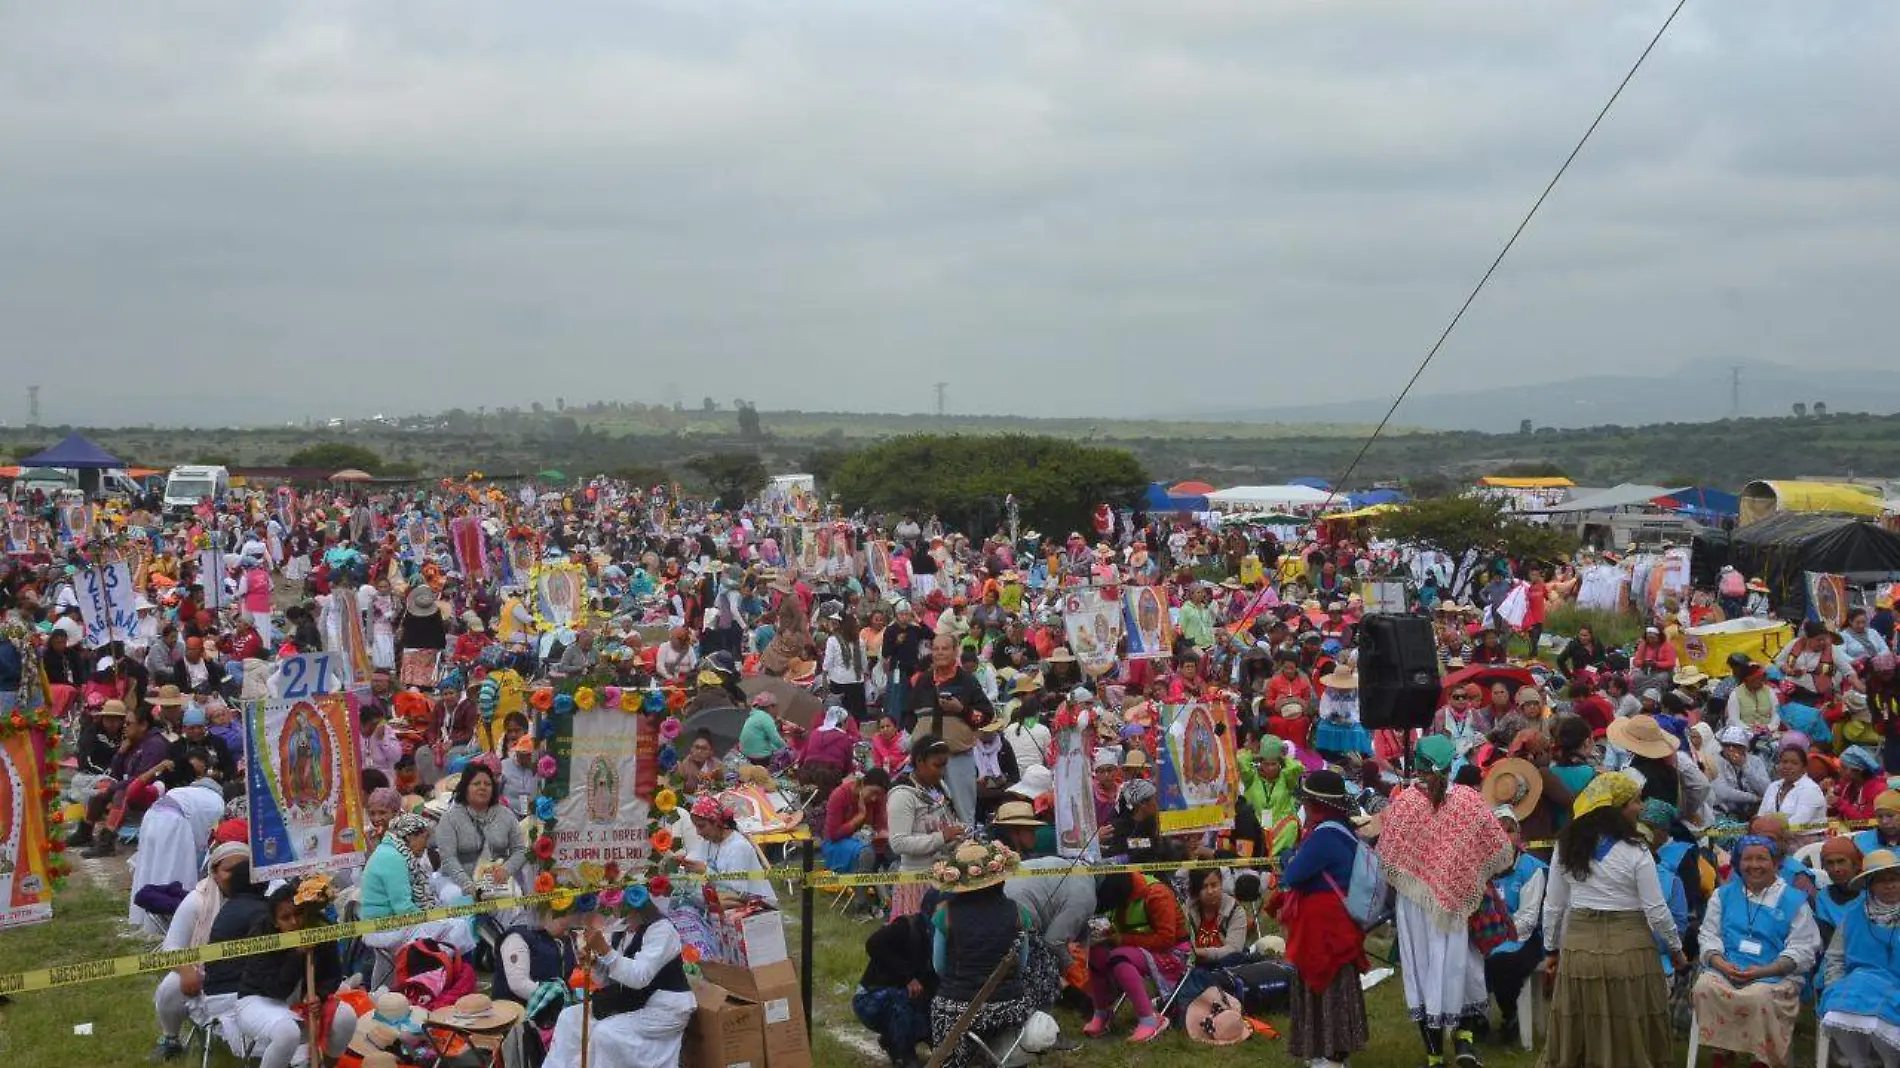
pixel 835 717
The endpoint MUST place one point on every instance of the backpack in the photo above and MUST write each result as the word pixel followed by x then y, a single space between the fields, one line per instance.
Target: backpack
pixel 1368 896
pixel 431 974
pixel 1733 585
pixel 1261 986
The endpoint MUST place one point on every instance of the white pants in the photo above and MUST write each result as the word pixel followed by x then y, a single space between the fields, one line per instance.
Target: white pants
pixel 648 1038
pixel 456 933
pixel 275 1036
pixel 174 1008
pixel 261 620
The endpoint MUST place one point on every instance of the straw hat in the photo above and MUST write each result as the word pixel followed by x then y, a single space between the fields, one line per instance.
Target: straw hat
pixel 1643 736
pixel 371 1037
pixel 1689 675
pixel 1015 814
pixel 1136 758
pixel 1516 782
pixel 1876 862
pixel 169 696
pixel 1061 655
pixel 1026 683
pixel 1756 585
pixel 1216 1019
pixel 974 866
pixel 1291 708
pixel 112 707
pixel 478 1012
pixel 421 601
pixel 1037 782
pixel 1341 678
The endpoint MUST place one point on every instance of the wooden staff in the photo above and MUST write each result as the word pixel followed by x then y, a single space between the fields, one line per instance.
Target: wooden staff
pixel 968 1016
pixel 587 998
pixel 314 1016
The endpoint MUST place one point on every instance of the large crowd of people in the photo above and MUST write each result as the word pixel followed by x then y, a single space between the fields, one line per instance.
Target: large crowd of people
pixel 1605 844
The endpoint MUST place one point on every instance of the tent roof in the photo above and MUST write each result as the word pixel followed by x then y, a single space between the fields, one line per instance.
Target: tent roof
pixel 1190 488
pixel 1702 499
pixel 1810 496
pixel 1623 496
pixel 1160 499
pixel 1503 482
pixel 1240 496
pixel 75 452
pixel 1818 541
pixel 1377 496
pixel 1310 483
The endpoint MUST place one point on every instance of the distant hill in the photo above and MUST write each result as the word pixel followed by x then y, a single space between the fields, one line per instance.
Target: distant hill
pixel 1695 392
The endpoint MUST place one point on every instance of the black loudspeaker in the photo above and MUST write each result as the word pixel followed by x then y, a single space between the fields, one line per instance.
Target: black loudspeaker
pixel 1398 673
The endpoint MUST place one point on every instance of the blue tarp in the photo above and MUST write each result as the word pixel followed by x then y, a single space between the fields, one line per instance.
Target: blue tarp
pixel 1311 483
pixel 1702 501
pixel 1378 496
pixel 1158 499
pixel 75 452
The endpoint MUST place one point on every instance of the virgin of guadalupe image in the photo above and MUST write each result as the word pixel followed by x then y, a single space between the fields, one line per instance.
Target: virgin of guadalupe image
pixel 306 756
pixel 1148 620
pixel 1202 767
pixel 603 791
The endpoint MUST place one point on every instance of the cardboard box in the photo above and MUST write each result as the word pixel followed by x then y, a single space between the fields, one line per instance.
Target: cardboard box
pixel 726 1032
pixel 750 941
pixel 774 990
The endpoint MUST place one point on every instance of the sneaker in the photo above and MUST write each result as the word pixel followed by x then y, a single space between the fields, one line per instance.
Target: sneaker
pixel 1150 1032
pixel 1097 1025
pixel 1464 1056
pixel 169 1049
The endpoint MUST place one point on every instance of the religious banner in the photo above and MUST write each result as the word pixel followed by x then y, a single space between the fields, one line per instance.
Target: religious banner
pixel 303 786
pixel 1827 598
pixel 341 624
pixel 213 565
pixel 75 522
pixel 108 602
pixel 1146 621
pixel 1198 774
pixel 470 543
pixel 605 769
pixel 421 668
pixel 1093 619
pixel 26 877
pixel 1076 833
pixel 560 596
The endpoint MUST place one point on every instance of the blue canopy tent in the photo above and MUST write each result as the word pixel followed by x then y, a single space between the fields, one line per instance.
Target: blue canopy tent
pixel 1699 501
pixel 1378 496
pixel 1311 483
pixel 1158 499
pixel 75 453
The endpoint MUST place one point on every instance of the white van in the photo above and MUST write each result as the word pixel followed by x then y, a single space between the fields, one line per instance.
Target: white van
pixel 191 485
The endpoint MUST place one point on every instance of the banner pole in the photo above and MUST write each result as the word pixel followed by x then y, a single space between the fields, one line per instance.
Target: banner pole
pixel 805 958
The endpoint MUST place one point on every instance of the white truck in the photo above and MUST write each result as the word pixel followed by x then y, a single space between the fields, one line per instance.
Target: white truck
pixel 188 486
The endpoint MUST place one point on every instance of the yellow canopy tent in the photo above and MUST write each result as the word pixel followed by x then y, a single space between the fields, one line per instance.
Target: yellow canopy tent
pixel 1362 513
pixel 1502 482
pixel 1761 499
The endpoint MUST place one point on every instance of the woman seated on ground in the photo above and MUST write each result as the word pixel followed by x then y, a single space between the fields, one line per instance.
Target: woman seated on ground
pixel 721 848
pixel 1857 1007
pixel 971 933
pixel 272 980
pixel 1146 936
pixel 1758 939
pixel 853 815
pixel 1218 923
pixel 478 825
pixel 396 882
pixel 533 963
pixel 642 1001
pixel 899 982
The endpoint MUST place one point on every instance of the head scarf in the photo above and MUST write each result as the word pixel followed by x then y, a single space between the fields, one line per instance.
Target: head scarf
pixel 1134 792
pixel 712 810
pixel 400 829
pixel 834 718
pixel 1436 752
pixel 1611 788
pixel 1888 801
pixel 1773 847
pixel 1841 845
pixel 1860 756
pixel 1659 812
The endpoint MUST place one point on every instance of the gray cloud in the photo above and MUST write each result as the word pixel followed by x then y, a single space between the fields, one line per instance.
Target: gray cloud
pixel 221 211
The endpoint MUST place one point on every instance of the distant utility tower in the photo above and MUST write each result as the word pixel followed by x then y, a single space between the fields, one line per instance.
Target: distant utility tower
pixel 940 387
pixel 33 406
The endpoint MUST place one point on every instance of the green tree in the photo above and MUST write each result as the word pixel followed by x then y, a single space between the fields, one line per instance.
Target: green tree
pixel 214 459
pixel 1530 469
pixel 1457 525
pixel 748 420
pixel 734 477
pixel 823 463
pixel 336 456
pixel 1056 482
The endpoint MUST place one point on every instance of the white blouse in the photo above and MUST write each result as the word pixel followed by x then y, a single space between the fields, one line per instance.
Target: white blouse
pixel 1804 804
pixel 1623 881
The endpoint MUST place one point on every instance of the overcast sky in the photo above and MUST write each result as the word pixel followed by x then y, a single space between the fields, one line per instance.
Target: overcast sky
pixel 245 211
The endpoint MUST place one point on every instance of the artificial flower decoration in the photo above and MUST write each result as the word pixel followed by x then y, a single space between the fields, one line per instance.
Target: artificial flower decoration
pixel 653 702
pixel 610 697
pixel 544 729
pixel 544 847
pixel 666 800
pixel 586 902
pixel 689 954
pixel 544 882
pixel 546 766
pixel 670 729
pixel 564 705
pixel 662 840
pixel 637 897
pixel 660 885
pixel 669 758
pixel 676 699
pixel 542 699
pixel 584 698
pixel 611 898
pixel 562 901
pixel 544 808
pixel 612 872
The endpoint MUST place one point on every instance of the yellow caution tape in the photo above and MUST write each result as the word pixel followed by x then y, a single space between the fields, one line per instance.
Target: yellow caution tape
pixel 167 960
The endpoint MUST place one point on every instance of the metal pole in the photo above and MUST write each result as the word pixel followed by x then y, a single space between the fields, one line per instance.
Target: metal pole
pixel 807 962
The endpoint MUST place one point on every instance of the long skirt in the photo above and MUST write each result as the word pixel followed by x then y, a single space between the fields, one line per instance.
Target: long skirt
pixel 899 1020
pixel 1610 1008
pixel 993 1017
pixel 1442 971
pixel 168 853
pixel 1330 1024
pixel 1756 1019
pixel 648 1037
pixel 1042 980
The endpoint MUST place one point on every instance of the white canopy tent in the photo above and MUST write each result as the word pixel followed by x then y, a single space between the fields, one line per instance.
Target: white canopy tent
pixel 1627 495
pixel 1267 497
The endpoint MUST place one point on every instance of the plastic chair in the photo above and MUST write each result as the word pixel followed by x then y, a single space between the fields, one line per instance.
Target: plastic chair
pixel 1527 1008
pixel 1820 1043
